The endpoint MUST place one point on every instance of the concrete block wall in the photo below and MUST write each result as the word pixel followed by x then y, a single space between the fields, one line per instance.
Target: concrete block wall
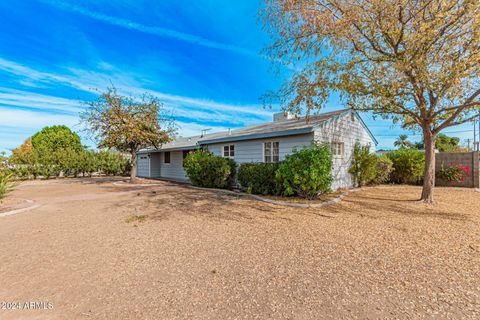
pixel 470 159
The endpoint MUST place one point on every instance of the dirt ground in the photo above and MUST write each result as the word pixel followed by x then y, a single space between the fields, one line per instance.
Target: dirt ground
pixel 94 250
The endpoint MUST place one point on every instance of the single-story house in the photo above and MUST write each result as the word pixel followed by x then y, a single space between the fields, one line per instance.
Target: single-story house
pixel 268 142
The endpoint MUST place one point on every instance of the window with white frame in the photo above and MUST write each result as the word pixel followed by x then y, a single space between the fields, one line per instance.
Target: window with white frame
pixel 337 149
pixel 229 151
pixel 271 151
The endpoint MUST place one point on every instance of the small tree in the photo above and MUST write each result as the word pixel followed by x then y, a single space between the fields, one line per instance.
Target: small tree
pixel 24 154
pixel 364 165
pixel 127 124
pixel 415 62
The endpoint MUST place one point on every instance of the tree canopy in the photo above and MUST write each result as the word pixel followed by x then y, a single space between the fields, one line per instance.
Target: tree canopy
pixel 56 138
pixel 415 62
pixel 128 124
pixel 444 143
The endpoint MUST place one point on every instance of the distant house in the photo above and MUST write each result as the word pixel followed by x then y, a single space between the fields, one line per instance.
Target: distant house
pixel 268 142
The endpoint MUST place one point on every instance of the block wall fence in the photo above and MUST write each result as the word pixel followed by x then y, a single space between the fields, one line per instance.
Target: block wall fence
pixel 470 159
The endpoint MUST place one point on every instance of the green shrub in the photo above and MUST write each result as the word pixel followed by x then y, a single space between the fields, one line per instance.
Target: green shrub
pixel 7 183
pixel 207 170
pixel 111 163
pixel 383 168
pixel 408 165
pixel 259 178
pixel 453 173
pixel 364 165
pixel 307 172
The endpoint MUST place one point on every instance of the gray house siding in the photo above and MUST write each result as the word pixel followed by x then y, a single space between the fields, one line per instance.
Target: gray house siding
pixel 174 169
pixel 143 165
pixel 155 165
pixel 252 150
pixel 346 129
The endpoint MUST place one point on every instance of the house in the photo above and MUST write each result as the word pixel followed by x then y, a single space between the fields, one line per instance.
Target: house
pixel 268 142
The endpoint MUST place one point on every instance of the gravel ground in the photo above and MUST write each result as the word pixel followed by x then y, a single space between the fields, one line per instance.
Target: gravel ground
pixel 96 251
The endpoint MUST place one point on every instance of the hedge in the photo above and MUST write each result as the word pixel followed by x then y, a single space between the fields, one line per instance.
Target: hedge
pixel 307 172
pixel 259 178
pixel 207 170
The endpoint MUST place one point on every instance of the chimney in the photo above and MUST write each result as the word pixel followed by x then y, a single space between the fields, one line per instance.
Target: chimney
pixel 282 116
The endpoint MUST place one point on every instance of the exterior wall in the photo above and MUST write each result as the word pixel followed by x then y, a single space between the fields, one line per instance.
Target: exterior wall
pixel 143 165
pixel 470 159
pixel 252 150
pixel 155 165
pixel 347 130
pixel 174 169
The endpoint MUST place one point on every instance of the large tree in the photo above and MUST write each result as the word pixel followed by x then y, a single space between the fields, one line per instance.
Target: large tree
pixel 413 61
pixel 50 143
pixel 128 124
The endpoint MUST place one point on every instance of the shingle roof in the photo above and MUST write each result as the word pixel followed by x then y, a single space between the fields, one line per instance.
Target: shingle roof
pixel 269 129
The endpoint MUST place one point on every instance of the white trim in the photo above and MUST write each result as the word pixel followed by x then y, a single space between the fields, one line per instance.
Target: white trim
pixel 149 165
pixel 271 151
pixel 229 151
pixel 333 148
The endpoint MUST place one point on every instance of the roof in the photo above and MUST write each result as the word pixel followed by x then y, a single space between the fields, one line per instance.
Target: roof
pixel 265 130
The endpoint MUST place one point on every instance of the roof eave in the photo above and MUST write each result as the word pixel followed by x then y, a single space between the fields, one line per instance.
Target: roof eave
pixel 258 136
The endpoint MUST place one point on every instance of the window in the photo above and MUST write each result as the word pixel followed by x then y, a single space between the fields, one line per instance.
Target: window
pixel 229 151
pixel 271 152
pixel 166 157
pixel 337 149
pixel 143 157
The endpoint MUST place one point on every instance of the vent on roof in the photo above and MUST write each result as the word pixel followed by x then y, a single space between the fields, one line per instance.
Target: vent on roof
pixel 204 132
pixel 282 116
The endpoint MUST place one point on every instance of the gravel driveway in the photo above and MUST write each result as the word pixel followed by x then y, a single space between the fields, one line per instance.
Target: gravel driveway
pixel 97 251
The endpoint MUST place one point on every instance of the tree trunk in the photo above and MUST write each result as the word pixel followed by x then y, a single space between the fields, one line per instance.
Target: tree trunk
pixel 133 170
pixel 429 173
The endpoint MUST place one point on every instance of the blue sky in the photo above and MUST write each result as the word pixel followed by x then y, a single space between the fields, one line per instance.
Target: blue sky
pixel 201 58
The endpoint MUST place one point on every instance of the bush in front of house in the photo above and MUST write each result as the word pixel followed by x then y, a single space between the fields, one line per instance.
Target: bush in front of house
pixel 383 169
pixel 207 170
pixel 364 165
pixel 259 178
pixel 307 172
pixel 408 165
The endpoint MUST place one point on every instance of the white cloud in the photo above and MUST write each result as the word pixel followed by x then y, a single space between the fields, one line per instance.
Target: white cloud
pixel 158 31
pixel 21 98
pixel 187 129
pixel 23 119
pixel 85 80
pixel 34 77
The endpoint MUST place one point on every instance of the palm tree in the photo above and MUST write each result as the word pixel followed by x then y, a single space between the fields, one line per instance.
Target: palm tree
pixel 402 142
